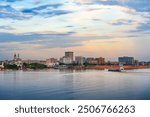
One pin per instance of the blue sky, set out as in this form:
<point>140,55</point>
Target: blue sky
<point>46,28</point>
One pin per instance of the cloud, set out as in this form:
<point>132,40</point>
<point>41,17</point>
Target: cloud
<point>11,0</point>
<point>34,22</point>
<point>42,7</point>
<point>5,27</point>
<point>69,26</point>
<point>9,37</point>
<point>138,5</point>
<point>144,27</point>
<point>34,41</point>
<point>123,22</point>
<point>48,10</point>
<point>6,11</point>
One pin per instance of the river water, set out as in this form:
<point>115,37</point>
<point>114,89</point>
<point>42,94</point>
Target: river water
<point>75,85</point>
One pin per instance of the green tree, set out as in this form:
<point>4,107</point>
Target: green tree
<point>11,66</point>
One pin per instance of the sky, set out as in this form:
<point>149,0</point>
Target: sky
<point>41,29</point>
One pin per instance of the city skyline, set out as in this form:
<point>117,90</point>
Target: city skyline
<point>39,29</point>
<point>73,57</point>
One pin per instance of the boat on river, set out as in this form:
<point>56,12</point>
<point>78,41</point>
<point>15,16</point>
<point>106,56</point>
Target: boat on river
<point>120,69</point>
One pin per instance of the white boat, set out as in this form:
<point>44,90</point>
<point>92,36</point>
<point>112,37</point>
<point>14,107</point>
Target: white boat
<point>121,69</point>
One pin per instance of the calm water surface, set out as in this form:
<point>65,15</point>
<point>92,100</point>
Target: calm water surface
<point>74,85</point>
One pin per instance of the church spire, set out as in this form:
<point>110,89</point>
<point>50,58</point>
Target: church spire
<point>15,56</point>
<point>18,56</point>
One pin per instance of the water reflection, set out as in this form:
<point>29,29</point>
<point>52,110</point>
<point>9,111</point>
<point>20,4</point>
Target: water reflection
<point>75,84</point>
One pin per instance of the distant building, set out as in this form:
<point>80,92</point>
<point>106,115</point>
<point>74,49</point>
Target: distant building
<point>100,61</point>
<point>28,61</point>
<point>31,61</point>
<point>66,60</point>
<point>51,62</point>
<point>113,63</point>
<point>69,55</point>
<point>80,60</point>
<point>126,60</point>
<point>34,61</point>
<point>143,63</point>
<point>136,62</point>
<point>91,60</point>
<point>17,61</point>
<point>42,62</point>
<point>2,66</point>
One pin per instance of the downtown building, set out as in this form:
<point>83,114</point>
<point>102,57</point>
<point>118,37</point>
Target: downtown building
<point>51,62</point>
<point>100,61</point>
<point>96,61</point>
<point>80,60</point>
<point>91,60</point>
<point>28,61</point>
<point>68,58</point>
<point>126,60</point>
<point>69,55</point>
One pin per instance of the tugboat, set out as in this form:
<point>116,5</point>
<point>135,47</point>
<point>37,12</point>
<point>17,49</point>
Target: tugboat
<point>120,69</point>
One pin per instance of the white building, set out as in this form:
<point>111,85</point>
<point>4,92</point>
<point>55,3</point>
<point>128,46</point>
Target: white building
<point>17,61</point>
<point>51,62</point>
<point>2,66</point>
<point>66,60</point>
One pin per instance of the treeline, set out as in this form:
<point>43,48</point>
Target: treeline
<point>34,66</point>
<point>11,66</point>
<point>25,66</point>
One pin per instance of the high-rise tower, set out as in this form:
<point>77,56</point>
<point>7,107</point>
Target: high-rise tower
<point>69,55</point>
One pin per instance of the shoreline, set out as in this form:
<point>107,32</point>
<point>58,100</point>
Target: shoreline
<point>126,67</point>
<point>97,67</point>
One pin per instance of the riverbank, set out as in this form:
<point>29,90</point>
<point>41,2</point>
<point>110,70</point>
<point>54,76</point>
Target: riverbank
<point>97,67</point>
<point>126,67</point>
<point>103,67</point>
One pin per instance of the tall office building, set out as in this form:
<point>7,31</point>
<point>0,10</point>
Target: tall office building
<point>69,55</point>
<point>65,60</point>
<point>126,60</point>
